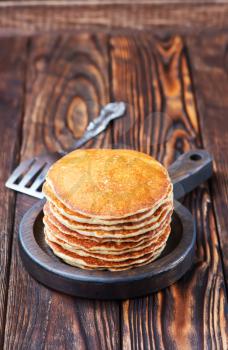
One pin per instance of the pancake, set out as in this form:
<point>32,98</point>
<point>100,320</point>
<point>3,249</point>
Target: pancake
<point>146,261</point>
<point>109,256</point>
<point>66,230</point>
<point>107,209</point>
<point>107,234</point>
<point>104,243</point>
<point>127,226</point>
<point>101,247</point>
<point>106,183</point>
<point>138,218</point>
<point>153,257</point>
<point>77,260</point>
<point>86,263</point>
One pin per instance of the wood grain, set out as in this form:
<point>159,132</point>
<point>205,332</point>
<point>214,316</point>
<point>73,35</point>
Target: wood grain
<point>210,67</point>
<point>67,82</point>
<point>31,3</point>
<point>67,85</point>
<point>154,78</point>
<point>25,19</point>
<point>158,122</point>
<point>69,77</point>
<point>12,76</point>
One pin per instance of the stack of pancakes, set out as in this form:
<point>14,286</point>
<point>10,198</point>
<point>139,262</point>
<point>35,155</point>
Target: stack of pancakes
<point>107,209</point>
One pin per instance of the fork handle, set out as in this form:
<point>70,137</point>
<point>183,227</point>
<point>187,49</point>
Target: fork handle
<point>109,112</point>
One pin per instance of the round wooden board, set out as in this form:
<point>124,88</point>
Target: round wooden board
<point>44,266</point>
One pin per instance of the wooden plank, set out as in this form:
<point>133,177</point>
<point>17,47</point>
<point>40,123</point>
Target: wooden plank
<point>97,2</point>
<point>12,76</point>
<point>67,83</point>
<point>154,78</point>
<point>209,64</point>
<point>22,19</point>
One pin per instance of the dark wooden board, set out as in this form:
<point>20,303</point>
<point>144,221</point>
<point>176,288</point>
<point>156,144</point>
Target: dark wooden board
<point>154,78</point>
<point>41,263</point>
<point>210,54</point>
<point>24,18</point>
<point>67,82</point>
<point>150,78</point>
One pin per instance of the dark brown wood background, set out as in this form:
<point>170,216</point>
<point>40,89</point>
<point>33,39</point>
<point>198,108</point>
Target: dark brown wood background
<point>58,65</point>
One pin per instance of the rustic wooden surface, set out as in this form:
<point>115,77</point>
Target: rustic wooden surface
<point>27,17</point>
<point>159,80</point>
<point>176,90</point>
<point>12,72</point>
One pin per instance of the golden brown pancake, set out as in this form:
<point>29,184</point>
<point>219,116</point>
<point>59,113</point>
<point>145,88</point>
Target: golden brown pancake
<point>49,219</point>
<point>83,263</point>
<point>108,183</point>
<point>160,212</point>
<point>107,209</point>
<point>99,245</point>
<point>108,234</point>
<point>109,256</point>
<point>137,218</point>
<point>75,259</point>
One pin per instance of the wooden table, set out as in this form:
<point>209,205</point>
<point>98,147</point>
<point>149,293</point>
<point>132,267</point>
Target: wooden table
<point>176,87</point>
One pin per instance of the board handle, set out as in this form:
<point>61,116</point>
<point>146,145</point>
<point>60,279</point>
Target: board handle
<point>189,171</point>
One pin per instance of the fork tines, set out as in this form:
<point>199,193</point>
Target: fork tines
<point>28,177</point>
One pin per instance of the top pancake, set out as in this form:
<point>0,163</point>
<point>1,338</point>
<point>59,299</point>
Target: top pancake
<point>137,218</point>
<point>107,183</point>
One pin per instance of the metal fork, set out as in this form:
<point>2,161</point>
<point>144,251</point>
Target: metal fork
<point>29,176</point>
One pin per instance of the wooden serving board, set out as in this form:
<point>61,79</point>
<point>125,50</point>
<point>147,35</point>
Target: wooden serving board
<point>187,172</point>
<point>44,266</point>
